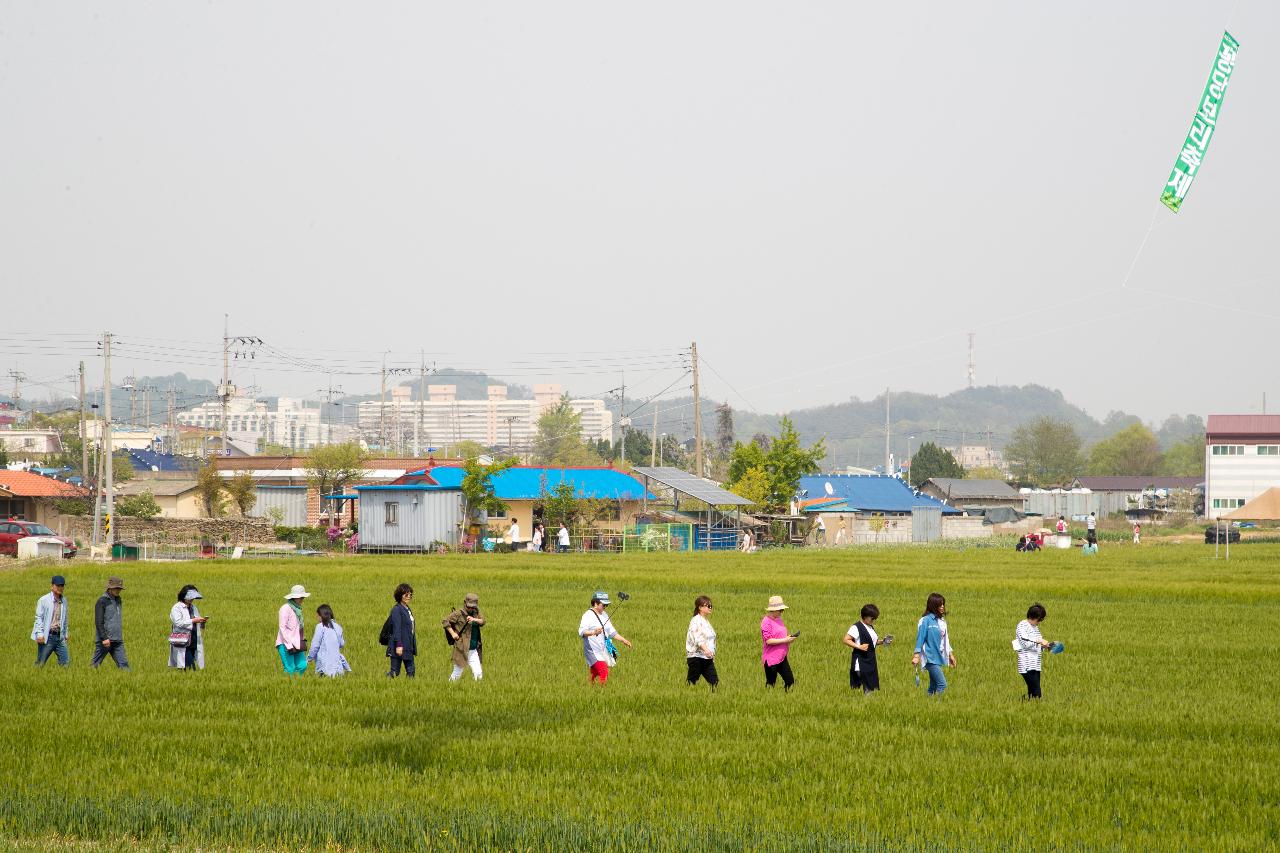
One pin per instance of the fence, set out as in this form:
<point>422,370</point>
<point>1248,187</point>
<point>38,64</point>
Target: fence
<point>648,538</point>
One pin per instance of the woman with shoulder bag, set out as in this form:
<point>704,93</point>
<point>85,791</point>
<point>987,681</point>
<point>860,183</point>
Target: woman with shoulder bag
<point>186,631</point>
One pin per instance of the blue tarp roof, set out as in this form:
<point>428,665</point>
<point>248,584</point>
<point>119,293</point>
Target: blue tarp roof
<point>147,460</point>
<point>865,493</point>
<point>517,484</point>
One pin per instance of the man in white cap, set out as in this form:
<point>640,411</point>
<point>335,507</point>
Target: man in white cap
<point>291,639</point>
<point>598,634</point>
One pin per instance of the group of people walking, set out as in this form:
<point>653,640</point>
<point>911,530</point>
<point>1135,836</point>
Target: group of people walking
<point>462,629</point>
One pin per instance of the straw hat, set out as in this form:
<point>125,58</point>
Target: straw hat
<point>114,582</point>
<point>298,591</point>
<point>775,603</point>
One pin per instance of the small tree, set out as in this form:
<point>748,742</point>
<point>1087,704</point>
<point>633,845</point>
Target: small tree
<point>1044,452</point>
<point>754,486</point>
<point>559,439</point>
<point>332,467</point>
<point>139,506</point>
<point>209,489</point>
<point>121,468</point>
<point>243,490</point>
<point>477,486</point>
<point>1132,451</point>
<point>1185,458</point>
<point>561,504</point>
<point>932,461</point>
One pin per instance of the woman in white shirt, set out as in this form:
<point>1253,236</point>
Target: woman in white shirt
<point>700,644</point>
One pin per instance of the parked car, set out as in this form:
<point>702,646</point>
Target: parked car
<point>1220,535</point>
<point>11,531</point>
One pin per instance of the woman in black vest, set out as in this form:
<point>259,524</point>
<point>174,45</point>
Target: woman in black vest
<point>862,638</point>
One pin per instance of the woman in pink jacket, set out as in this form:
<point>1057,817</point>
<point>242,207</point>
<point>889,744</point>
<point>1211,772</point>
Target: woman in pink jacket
<point>291,638</point>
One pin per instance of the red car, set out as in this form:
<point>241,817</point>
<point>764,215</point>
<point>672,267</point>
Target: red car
<point>11,531</point>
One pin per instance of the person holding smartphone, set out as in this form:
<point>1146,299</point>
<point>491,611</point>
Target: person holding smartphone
<point>185,618</point>
<point>775,644</point>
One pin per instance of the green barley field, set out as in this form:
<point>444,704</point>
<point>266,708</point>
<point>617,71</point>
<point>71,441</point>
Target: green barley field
<point>1158,730</point>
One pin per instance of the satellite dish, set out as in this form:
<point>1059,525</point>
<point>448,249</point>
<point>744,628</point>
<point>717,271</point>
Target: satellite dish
<point>827,486</point>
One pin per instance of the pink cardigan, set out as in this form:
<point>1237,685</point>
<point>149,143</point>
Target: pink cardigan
<point>290,633</point>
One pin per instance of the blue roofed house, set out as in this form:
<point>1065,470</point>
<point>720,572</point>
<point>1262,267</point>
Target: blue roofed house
<point>871,508</point>
<point>425,506</point>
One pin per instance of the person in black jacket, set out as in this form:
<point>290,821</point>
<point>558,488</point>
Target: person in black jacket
<point>863,640</point>
<point>404,641</point>
<point>108,623</point>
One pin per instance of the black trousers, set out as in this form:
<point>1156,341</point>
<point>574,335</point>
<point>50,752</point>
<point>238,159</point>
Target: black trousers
<point>1032,677</point>
<point>395,666</point>
<point>703,668</point>
<point>783,668</point>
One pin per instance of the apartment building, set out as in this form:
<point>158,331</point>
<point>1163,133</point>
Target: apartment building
<point>497,421</point>
<point>291,424</point>
<point>1241,460</point>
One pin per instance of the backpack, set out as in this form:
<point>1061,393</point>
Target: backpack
<point>384,636</point>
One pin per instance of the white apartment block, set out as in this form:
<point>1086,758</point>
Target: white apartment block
<point>292,424</point>
<point>1241,460</point>
<point>442,419</point>
<point>971,456</point>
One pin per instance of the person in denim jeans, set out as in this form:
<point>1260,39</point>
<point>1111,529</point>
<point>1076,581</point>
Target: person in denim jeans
<point>933,646</point>
<point>50,629</point>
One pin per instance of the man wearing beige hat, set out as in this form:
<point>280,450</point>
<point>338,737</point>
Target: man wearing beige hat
<point>108,623</point>
<point>291,638</point>
<point>462,627</point>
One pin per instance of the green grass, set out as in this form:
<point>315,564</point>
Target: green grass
<point>1158,729</point>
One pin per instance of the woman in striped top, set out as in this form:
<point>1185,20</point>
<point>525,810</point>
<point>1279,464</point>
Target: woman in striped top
<point>1030,645</point>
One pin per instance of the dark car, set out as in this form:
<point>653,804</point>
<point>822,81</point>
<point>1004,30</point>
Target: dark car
<point>12,530</point>
<point>1221,535</point>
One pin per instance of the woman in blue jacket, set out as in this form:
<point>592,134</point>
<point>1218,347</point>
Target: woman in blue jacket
<point>403,645</point>
<point>933,646</point>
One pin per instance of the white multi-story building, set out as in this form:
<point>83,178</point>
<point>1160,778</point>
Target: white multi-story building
<point>1241,460</point>
<point>971,456</point>
<point>442,419</point>
<point>292,424</point>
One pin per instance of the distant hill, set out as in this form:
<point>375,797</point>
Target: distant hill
<point>854,430</point>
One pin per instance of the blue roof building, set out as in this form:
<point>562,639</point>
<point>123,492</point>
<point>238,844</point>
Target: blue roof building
<point>526,484</point>
<point>856,493</point>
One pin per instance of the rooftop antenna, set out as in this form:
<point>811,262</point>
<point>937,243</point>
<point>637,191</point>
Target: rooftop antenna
<point>973,366</point>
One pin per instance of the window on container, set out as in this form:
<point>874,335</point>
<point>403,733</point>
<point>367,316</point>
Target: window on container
<point>392,509</point>
<point>1268,450</point>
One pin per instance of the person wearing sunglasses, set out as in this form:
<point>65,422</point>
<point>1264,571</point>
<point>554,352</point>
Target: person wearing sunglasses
<point>700,644</point>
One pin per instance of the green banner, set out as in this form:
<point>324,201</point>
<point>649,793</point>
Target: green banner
<point>1202,126</point>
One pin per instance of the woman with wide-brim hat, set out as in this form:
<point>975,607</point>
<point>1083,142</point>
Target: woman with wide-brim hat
<point>291,638</point>
<point>776,642</point>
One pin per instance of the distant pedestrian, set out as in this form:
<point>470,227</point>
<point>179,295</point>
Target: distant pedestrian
<point>291,635</point>
<point>562,539</point>
<point>775,644</point>
<point>51,629</point>
<point>748,544</point>
<point>327,644</point>
<point>841,534</point>
<point>1137,533</point>
<point>933,643</point>
<point>402,643</point>
<point>186,631</point>
<point>513,535</point>
<point>820,531</point>
<point>1029,645</point>
<point>863,639</point>
<point>463,627</point>
<point>700,644</point>
<point>1062,525</point>
<point>537,538</point>
<point>1090,548</point>
<point>108,624</point>
<point>597,633</point>
<point>1091,527</point>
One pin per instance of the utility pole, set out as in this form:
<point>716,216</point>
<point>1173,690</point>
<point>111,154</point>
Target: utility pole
<point>172,424</point>
<point>697,412</point>
<point>84,436</point>
<point>224,390</point>
<point>107,450</point>
<point>888,463</point>
<point>422,403</point>
<point>622,418</point>
<point>133,402</point>
<point>382,410</point>
<point>18,378</point>
<point>653,452</point>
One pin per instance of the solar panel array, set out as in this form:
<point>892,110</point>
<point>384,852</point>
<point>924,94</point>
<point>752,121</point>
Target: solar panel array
<point>695,487</point>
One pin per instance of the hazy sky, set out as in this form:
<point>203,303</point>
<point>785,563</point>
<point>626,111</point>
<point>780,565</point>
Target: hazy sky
<point>827,196</point>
